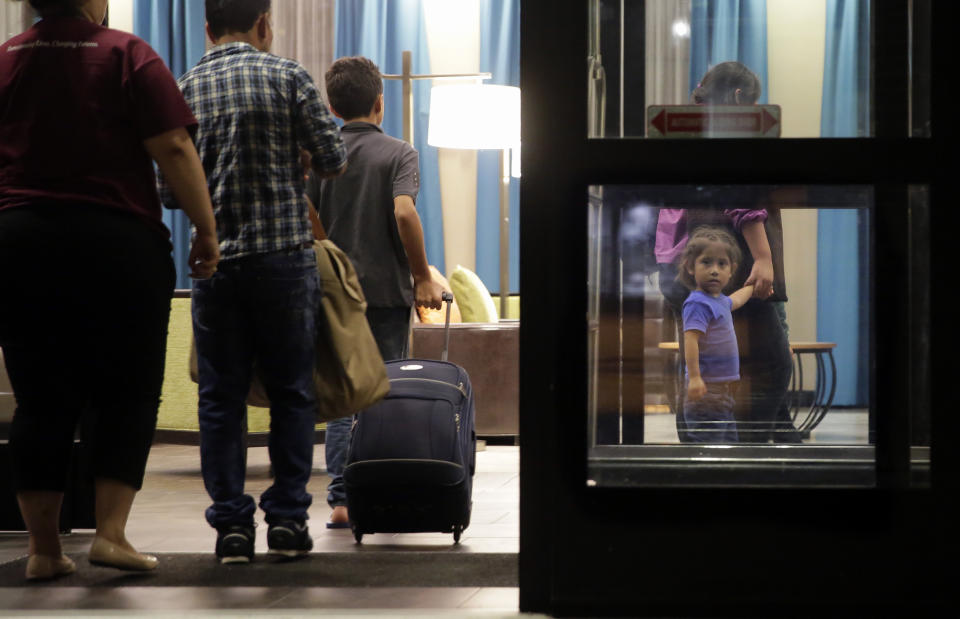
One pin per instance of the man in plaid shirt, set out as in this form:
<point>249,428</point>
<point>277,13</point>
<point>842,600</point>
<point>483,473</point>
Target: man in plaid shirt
<point>256,111</point>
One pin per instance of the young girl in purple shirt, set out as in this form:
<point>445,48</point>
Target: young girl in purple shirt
<point>710,343</point>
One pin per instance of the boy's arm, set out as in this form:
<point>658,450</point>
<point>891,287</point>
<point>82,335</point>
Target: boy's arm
<point>691,351</point>
<point>426,291</point>
<point>740,297</point>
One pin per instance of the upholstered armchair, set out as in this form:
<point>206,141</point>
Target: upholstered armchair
<point>485,346</point>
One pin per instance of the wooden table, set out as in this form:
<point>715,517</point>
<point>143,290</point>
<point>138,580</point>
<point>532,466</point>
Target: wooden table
<point>824,390</point>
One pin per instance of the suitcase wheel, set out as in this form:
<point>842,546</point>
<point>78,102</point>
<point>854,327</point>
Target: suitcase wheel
<point>457,530</point>
<point>357,534</point>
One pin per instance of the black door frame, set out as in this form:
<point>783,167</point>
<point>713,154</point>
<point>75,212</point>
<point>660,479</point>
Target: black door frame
<point>632,551</point>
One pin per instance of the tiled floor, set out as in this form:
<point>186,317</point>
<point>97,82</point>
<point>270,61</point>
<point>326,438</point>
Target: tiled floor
<point>168,517</point>
<point>839,427</point>
<point>174,495</point>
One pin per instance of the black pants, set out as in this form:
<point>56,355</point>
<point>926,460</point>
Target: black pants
<point>766,365</point>
<point>83,326</point>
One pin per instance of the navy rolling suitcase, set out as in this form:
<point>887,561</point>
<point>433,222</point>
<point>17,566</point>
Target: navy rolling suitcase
<point>412,455</point>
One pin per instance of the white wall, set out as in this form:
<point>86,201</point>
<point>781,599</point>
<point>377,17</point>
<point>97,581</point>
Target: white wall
<point>796,35</point>
<point>453,37</point>
<point>800,267</point>
<point>121,15</point>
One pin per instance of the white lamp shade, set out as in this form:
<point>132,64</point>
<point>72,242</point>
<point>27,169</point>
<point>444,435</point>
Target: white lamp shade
<point>475,116</point>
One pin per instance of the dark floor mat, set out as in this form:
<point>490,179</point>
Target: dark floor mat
<point>338,569</point>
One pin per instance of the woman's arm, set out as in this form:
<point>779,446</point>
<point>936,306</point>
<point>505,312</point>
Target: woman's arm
<point>761,276</point>
<point>177,158</point>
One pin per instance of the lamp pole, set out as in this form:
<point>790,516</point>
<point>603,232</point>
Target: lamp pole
<point>406,79</point>
<point>504,231</point>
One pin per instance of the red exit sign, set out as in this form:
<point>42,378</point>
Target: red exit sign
<point>713,121</point>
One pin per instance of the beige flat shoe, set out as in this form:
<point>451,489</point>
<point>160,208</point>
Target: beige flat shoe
<point>43,567</point>
<point>106,553</point>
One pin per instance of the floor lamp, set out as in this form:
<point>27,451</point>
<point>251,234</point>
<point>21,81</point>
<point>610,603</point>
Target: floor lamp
<point>406,80</point>
<point>481,117</point>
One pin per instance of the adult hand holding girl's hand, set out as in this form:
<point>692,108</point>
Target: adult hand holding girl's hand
<point>761,278</point>
<point>761,275</point>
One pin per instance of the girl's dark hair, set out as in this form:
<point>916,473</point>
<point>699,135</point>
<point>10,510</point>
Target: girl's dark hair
<point>719,85</point>
<point>45,8</point>
<point>353,85</point>
<point>226,16</point>
<point>700,240</point>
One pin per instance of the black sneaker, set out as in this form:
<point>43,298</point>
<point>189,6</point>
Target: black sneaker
<point>289,538</point>
<point>235,544</point>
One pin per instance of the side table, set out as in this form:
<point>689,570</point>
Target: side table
<point>824,390</point>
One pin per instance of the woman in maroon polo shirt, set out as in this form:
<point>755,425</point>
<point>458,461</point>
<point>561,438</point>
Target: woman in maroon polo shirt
<point>85,267</point>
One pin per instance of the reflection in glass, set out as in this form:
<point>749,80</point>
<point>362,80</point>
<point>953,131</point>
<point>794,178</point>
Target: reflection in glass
<point>801,335</point>
<point>596,77</point>
<point>812,59</point>
<point>920,67</point>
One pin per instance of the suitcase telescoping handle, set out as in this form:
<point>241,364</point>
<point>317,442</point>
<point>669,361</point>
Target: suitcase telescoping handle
<point>448,299</point>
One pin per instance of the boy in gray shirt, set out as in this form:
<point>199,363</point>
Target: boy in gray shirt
<point>370,213</point>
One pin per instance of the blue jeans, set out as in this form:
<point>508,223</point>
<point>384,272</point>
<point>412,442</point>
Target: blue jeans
<point>261,309</point>
<point>391,330</point>
<point>710,419</point>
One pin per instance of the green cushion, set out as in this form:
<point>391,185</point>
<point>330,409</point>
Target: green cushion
<point>178,405</point>
<point>513,306</point>
<point>476,304</point>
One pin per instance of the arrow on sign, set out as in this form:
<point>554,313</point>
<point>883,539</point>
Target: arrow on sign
<point>660,121</point>
<point>768,121</point>
<point>726,120</point>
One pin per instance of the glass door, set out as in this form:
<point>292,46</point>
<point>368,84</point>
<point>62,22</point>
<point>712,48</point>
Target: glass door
<point>769,435</point>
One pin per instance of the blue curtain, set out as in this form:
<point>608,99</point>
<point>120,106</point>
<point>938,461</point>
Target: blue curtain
<point>722,30</point>
<point>842,301</point>
<point>381,30</point>
<point>499,56</point>
<point>175,29</point>
<point>842,296</point>
<point>846,70</point>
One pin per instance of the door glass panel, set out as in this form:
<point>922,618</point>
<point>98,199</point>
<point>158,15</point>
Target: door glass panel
<point>920,67</point>
<point>790,384</point>
<point>811,60</point>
